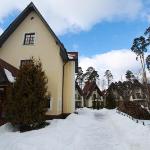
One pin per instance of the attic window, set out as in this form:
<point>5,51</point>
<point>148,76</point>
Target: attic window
<point>32,18</point>
<point>29,39</point>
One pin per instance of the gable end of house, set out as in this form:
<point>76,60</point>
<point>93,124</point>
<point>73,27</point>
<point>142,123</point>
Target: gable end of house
<point>12,27</point>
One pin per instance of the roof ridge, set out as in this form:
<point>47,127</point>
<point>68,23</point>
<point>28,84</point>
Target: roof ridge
<point>12,27</point>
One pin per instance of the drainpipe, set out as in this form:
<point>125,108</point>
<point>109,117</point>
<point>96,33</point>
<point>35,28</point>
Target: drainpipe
<point>63,86</point>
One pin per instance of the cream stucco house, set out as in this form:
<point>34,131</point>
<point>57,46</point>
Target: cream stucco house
<point>79,101</point>
<point>93,97</point>
<point>30,35</point>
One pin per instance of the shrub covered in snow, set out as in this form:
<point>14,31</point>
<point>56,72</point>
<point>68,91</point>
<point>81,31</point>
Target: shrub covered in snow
<point>27,98</point>
<point>134,109</point>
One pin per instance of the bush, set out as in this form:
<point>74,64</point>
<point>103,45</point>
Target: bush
<point>27,99</point>
<point>94,104</point>
<point>110,101</point>
<point>134,109</point>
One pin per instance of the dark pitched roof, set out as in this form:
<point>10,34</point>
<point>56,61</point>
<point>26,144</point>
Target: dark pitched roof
<point>9,67</point>
<point>31,7</point>
<point>3,77</point>
<point>78,88</point>
<point>89,88</point>
<point>73,56</point>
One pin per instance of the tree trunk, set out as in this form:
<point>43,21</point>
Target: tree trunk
<point>84,102</point>
<point>145,80</point>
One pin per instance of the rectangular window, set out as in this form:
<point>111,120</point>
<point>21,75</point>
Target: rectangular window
<point>29,39</point>
<point>25,62</point>
<point>49,102</point>
<point>79,97</point>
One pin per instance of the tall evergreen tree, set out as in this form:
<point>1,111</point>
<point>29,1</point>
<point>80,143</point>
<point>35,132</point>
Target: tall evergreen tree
<point>79,77</point>
<point>27,101</point>
<point>148,62</point>
<point>91,74</point>
<point>110,101</point>
<point>139,47</point>
<point>147,33</point>
<point>129,75</point>
<point>108,76</point>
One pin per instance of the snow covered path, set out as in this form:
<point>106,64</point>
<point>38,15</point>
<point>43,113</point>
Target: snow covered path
<point>89,130</point>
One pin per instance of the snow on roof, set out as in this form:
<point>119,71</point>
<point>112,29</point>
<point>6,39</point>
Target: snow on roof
<point>9,76</point>
<point>89,88</point>
<point>72,55</point>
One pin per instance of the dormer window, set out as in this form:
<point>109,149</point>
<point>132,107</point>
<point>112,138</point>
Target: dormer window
<point>29,39</point>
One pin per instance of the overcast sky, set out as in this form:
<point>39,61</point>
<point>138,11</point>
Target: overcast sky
<point>101,31</point>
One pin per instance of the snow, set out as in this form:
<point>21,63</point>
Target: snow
<point>71,56</point>
<point>89,130</point>
<point>9,76</point>
<point>145,122</point>
<point>6,128</point>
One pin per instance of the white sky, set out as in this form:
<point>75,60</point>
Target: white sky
<point>117,61</point>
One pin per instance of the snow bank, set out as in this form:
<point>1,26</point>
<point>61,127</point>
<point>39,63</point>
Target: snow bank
<point>7,128</point>
<point>9,76</point>
<point>89,130</point>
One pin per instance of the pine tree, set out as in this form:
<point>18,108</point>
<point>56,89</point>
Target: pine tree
<point>91,74</point>
<point>27,98</point>
<point>110,101</point>
<point>108,76</point>
<point>129,75</point>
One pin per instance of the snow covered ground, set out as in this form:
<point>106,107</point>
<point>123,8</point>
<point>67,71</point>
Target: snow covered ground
<point>89,130</point>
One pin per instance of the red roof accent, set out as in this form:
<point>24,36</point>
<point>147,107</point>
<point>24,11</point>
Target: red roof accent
<point>72,55</point>
<point>89,88</point>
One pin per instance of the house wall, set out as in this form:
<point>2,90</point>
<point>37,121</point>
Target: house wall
<point>77,94</point>
<point>89,102</point>
<point>90,99</point>
<point>69,87</point>
<point>134,94</point>
<point>45,48</point>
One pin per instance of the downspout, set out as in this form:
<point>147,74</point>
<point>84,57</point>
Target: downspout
<point>63,78</point>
